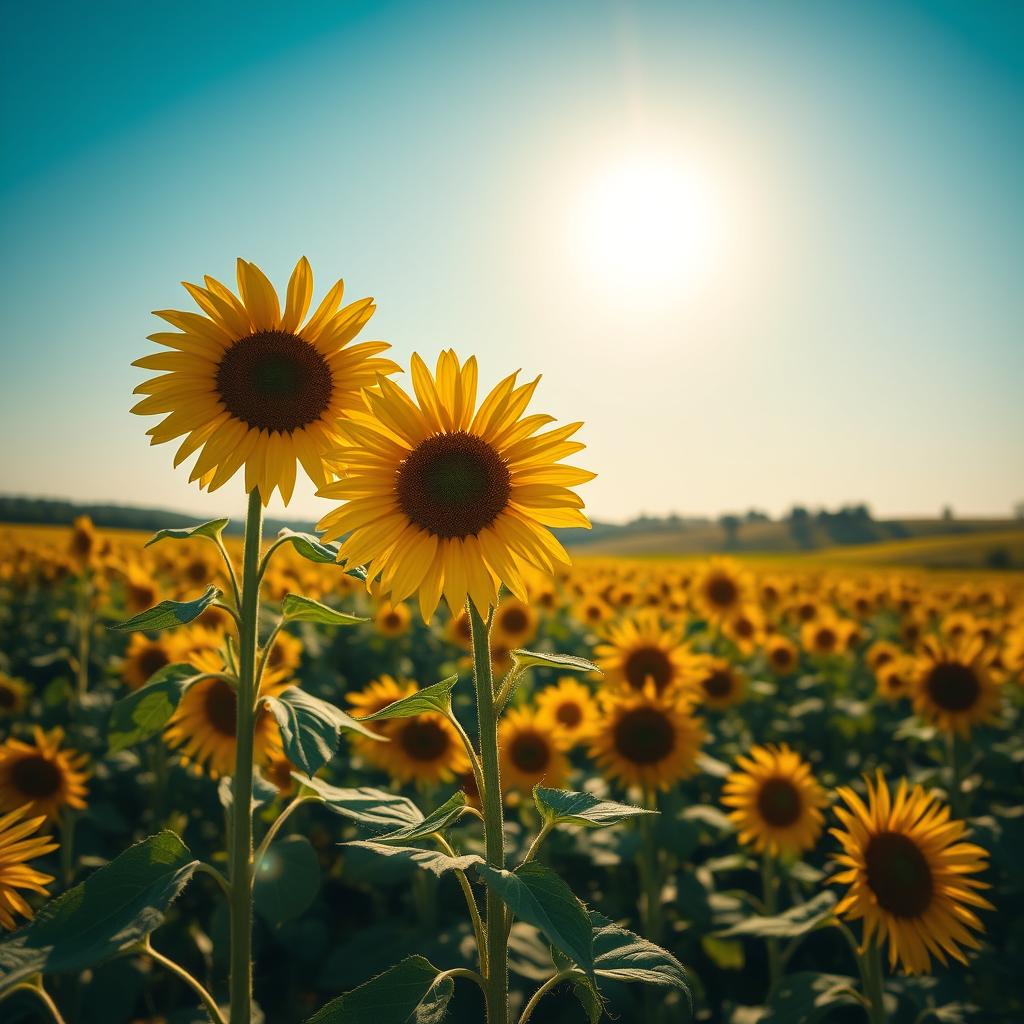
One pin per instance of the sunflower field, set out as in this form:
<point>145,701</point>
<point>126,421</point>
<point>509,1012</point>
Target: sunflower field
<point>482,780</point>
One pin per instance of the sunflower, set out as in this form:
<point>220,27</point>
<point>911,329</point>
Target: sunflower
<point>955,687</point>
<point>457,630</point>
<point>592,610</point>
<point>825,635</point>
<point>42,776</point>
<point>424,749</point>
<point>639,651</point>
<point>249,384</point>
<point>82,543</point>
<point>745,627</point>
<point>895,679</point>
<point>442,499</point>
<point>374,697</point>
<point>392,620</point>
<point>782,655</point>
<point>140,590</point>
<point>278,772</point>
<point>882,652</point>
<point>907,868</point>
<point>514,624</point>
<point>718,684</point>
<point>14,695</point>
<point>203,727</point>
<point>720,588</point>
<point>568,711</point>
<point>145,656</point>
<point>645,739</point>
<point>776,801</point>
<point>17,847</point>
<point>529,754</point>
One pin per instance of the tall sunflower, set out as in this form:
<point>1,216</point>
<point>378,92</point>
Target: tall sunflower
<point>442,497</point>
<point>647,740</point>
<point>639,651</point>
<point>776,801</point>
<point>251,384</point>
<point>43,776</point>
<point>18,846</point>
<point>955,686</point>
<point>908,870</point>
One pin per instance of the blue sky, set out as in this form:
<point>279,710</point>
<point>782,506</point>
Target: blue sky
<point>848,327</point>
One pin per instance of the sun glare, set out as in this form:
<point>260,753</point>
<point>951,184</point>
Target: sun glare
<point>649,225</point>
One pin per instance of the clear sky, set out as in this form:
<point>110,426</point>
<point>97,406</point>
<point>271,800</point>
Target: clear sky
<point>770,253</point>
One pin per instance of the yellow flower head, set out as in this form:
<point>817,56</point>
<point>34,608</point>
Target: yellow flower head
<point>530,755</point>
<point>18,846</point>
<point>247,383</point>
<point>776,801</point>
<point>42,776</point>
<point>444,497</point>
<point>908,871</point>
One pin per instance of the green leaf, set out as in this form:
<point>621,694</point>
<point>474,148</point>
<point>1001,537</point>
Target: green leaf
<point>146,711</point>
<point>167,614</point>
<point>310,546</point>
<point>287,879</point>
<point>434,698</point>
<point>114,908</point>
<point>403,994</point>
<point>429,860</point>
<point>725,953</point>
<point>375,808</point>
<point>309,727</point>
<point>538,896</point>
<point>619,955</point>
<point>807,996</point>
<point>437,821</point>
<point>798,920</point>
<point>297,608</point>
<point>564,662</point>
<point>562,806</point>
<point>211,531</point>
<point>263,792</point>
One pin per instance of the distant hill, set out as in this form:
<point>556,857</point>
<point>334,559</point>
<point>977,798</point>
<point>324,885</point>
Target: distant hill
<point>950,542</point>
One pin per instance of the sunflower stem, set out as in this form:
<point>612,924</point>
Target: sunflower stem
<point>494,825</point>
<point>770,889</point>
<point>874,982</point>
<point>240,848</point>
<point>35,986</point>
<point>956,790</point>
<point>209,1003</point>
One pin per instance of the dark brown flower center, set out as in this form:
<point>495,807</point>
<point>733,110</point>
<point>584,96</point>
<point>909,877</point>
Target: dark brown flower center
<point>274,380</point>
<point>645,663</point>
<point>781,656</point>
<point>721,591</point>
<point>423,740</point>
<point>825,639</point>
<point>744,628</point>
<point>36,776</point>
<point>529,752</point>
<point>569,713</point>
<point>222,707</point>
<point>514,620</point>
<point>453,485</point>
<point>779,803</point>
<point>953,687</point>
<point>898,874</point>
<point>7,696</point>
<point>718,683</point>
<point>644,736</point>
<point>152,659</point>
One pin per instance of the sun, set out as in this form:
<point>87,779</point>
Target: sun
<point>649,223</point>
